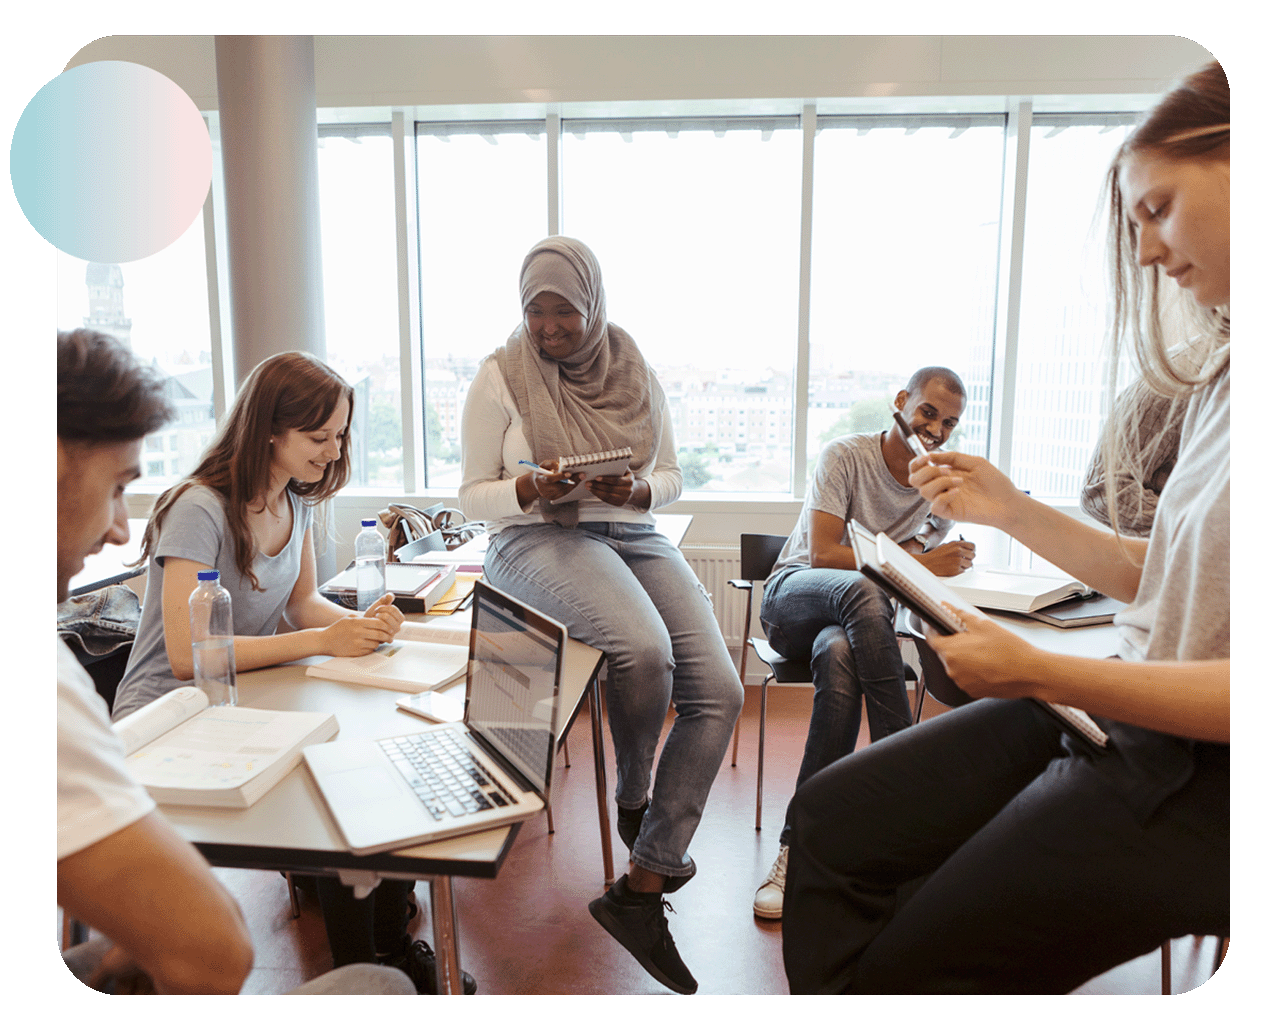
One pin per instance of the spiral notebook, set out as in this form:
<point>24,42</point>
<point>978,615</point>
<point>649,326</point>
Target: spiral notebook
<point>611,463</point>
<point>883,561</point>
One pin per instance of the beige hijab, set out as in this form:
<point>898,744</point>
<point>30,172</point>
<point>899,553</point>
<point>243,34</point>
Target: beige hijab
<point>602,396</point>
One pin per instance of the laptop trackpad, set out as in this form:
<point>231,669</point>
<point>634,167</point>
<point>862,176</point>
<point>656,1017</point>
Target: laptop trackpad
<point>373,802</point>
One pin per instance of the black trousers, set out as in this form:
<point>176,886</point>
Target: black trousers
<point>978,853</point>
<point>360,931</point>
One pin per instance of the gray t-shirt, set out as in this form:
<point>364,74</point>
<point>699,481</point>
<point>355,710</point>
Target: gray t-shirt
<point>1182,611</point>
<point>195,528</point>
<point>851,481</point>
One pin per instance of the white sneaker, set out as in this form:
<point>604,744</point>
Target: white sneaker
<point>768,901</point>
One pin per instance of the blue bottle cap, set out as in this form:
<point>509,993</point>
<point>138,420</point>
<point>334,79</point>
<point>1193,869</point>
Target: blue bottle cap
<point>207,574</point>
<point>368,522</point>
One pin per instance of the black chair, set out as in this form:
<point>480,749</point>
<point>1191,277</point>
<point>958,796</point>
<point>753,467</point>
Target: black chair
<point>757,553</point>
<point>933,677</point>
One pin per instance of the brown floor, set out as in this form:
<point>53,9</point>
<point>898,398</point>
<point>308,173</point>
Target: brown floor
<point>528,931</point>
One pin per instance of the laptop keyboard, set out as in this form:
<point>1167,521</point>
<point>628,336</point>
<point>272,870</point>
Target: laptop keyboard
<point>444,774</point>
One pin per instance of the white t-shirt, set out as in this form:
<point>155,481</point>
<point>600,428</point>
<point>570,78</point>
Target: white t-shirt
<point>96,796</point>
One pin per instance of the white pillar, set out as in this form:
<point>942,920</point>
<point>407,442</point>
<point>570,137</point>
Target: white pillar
<point>267,118</point>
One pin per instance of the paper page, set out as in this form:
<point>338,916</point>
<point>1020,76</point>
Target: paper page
<point>223,748</point>
<point>436,631</point>
<point>153,720</point>
<point>617,467</point>
<point>400,665</point>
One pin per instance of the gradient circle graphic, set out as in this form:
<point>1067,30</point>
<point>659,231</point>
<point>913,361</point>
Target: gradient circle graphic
<point>111,162</point>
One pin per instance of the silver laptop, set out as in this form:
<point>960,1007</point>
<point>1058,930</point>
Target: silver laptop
<point>401,791</point>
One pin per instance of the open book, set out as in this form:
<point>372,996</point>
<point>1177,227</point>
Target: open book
<point>185,752</point>
<point>405,664</point>
<point>924,593</point>
<point>610,463</point>
<point>1014,591</point>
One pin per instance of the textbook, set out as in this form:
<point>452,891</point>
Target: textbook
<point>1080,611</point>
<point>611,463</point>
<point>185,752</point>
<point>1020,592</point>
<point>416,586</point>
<point>410,666</point>
<point>924,593</point>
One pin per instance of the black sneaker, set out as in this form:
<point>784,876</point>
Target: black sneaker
<point>419,962</point>
<point>641,927</point>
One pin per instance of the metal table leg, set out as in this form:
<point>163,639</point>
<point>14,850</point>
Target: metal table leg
<point>444,923</point>
<point>597,743</point>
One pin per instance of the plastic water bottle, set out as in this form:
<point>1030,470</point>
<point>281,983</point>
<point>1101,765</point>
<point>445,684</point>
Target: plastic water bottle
<point>213,649</point>
<point>371,565</point>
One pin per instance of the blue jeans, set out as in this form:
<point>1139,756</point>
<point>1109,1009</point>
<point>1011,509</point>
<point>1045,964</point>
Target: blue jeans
<point>627,590</point>
<point>842,624</point>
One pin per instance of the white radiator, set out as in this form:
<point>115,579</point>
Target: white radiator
<point>715,565</point>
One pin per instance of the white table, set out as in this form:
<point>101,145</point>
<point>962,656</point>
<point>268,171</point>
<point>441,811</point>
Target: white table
<point>290,828</point>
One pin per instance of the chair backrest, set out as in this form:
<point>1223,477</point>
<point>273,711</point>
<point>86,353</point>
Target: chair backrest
<point>934,677</point>
<point>758,553</point>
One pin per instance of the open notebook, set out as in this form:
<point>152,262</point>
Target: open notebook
<point>883,561</point>
<point>416,788</point>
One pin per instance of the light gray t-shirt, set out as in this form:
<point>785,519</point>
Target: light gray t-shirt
<point>195,528</point>
<point>851,481</point>
<point>1182,611</point>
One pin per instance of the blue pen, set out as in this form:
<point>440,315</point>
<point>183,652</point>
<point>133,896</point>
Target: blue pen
<point>536,468</point>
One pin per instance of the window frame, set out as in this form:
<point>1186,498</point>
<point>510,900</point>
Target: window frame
<point>1019,112</point>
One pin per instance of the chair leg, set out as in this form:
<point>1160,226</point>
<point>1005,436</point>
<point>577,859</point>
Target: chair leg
<point>919,699</point>
<point>764,704</point>
<point>73,932</point>
<point>1166,967</point>
<point>293,894</point>
<point>737,726</point>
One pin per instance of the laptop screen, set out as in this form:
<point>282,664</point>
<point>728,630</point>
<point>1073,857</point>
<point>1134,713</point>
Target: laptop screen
<point>513,680</point>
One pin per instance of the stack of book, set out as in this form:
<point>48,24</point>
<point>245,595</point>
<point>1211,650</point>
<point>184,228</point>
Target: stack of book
<point>416,586</point>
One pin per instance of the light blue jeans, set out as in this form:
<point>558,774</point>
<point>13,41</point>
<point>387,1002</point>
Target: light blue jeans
<point>625,589</point>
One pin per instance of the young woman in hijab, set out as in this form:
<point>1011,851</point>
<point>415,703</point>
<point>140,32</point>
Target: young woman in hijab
<point>568,382</point>
<point>986,850</point>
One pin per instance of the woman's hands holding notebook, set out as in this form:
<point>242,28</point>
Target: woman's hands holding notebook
<point>986,660</point>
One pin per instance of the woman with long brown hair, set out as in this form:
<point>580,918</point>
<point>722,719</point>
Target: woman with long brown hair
<point>986,850</point>
<point>246,510</point>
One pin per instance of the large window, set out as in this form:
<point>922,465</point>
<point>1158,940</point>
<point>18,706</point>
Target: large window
<point>361,311</point>
<point>697,228</point>
<point>906,228</point>
<point>1062,366</point>
<point>482,204</point>
<point>159,307</point>
<point>706,228</point>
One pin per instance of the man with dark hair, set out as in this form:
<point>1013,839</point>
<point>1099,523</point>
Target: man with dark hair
<point>818,608</point>
<point>167,924</point>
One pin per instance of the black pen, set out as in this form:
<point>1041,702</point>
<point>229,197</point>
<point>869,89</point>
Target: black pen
<point>913,442</point>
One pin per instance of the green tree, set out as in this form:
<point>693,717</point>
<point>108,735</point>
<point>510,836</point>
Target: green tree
<point>863,417</point>
<point>384,426</point>
<point>694,467</point>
